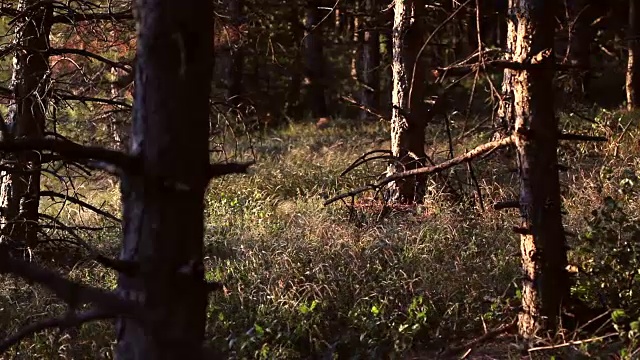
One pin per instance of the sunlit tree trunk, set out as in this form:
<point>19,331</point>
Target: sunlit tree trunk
<point>163,202</point>
<point>409,111</point>
<point>633,65</point>
<point>19,189</point>
<point>314,61</point>
<point>543,244</point>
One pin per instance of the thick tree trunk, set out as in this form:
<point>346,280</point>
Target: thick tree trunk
<point>163,202</point>
<point>370,63</point>
<point>314,61</point>
<point>580,17</point>
<point>543,244</point>
<point>409,110</point>
<point>19,189</point>
<point>633,65</point>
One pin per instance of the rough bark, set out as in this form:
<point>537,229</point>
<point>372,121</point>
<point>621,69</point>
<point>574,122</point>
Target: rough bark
<point>409,110</point>
<point>314,61</point>
<point>19,198</point>
<point>633,65</point>
<point>370,63</point>
<point>543,244</point>
<point>163,203</point>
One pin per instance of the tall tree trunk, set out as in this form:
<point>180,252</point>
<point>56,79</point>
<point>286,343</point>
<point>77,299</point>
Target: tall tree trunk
<point>314,61</point>
<point>236,55</point>
<point>370,62</point>
<point>163,202</point>
<point>580,16</point>
<point>633,66</point>
<point>19,189</point>
<point>294,108</point>
<point>409,110</point>
<point>543,244</point>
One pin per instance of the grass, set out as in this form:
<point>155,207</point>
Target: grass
<point>303,280</point>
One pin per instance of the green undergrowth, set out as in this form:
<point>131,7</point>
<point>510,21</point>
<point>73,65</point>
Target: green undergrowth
<point>360,281</point>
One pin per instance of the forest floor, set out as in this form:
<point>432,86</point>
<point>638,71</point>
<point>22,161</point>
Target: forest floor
<point>359,280</point>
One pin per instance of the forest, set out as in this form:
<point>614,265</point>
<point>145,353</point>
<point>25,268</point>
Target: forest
<point>319,179</point>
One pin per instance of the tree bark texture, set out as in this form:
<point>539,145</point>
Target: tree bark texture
<point>314,61</point>
<point>543,244</point>
<point>408,119</point>
<point>163,201</point>
<point>370,62</point>
<point>19,189</point>
<point>633,64</point>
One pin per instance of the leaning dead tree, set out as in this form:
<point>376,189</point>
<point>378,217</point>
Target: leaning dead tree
<point>162,295</point>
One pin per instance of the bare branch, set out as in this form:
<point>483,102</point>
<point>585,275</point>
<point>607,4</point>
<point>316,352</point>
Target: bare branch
<point>77,201</point>
<point>69,320</point>
<point>468,156</point>
<point>72,293</point>
<point>74,17</point>
<point>72,150</point>
<point>510,204</point>
<point>579,137</point>
<point>88,54</point>
<point>218,170</point>
<point>84,99</point>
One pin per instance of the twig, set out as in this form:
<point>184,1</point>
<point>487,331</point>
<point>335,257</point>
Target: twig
<point>571,343</point>
<point>362,107</point>
<point>468,156</point>
<point>487,336</point>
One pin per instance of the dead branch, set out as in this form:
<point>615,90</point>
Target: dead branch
<point>495,66</point>
<point>579,137</point>
<point>218,170</point>
<point>72,293</point>
<point>364,158</point>
<point>71,319</point>
<point>88,54</point>
<point>74,200</point>
<point>72,150</point>
<point>85,99</point>
<point>366,109</point>
<point>486,337</point>
<point>572,343</point>
<point>509,204</point>
<point>468,156</point>
<point>74,17</point>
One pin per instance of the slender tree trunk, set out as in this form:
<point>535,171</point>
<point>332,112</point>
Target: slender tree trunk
<point>370,63</point>
<point>633,65</point>
<point>543,244</point>
<point>314,61</point>
<point>236,56</point>
<point>19,189</point>
<point>409,110</point>
<point>294,108</point>
<point>163,202</point>
<point>580,37</point>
